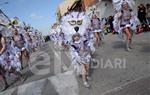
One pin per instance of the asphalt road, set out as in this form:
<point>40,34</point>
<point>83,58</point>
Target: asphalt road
<point>119,72</point>
<point>134,65</point>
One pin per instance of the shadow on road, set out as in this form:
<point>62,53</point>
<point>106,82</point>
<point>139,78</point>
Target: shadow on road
<point>118,44</point>
<point>145,49</point>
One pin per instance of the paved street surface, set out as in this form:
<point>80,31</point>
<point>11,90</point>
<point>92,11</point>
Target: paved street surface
<point>119,72</point>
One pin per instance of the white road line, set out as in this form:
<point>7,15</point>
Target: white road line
<point>65,84</point>
<point>121,86</point>
<point>45,62</point>
<point>58,64</point>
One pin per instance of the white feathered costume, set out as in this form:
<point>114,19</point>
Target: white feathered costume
<point>72,23</point>
<point>118,4</point>
<point>118,8</point>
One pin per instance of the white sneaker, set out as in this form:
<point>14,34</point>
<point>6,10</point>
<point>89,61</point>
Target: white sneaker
<point>86,84</point>
<point>88,78</point>
<point>128,49</point>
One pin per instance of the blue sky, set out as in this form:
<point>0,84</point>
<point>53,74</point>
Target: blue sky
<point>39,13</point>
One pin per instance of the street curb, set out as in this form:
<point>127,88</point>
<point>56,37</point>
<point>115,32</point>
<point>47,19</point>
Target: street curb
<point>65,80</point>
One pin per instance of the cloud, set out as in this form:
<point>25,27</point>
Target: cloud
<point>35,16</point>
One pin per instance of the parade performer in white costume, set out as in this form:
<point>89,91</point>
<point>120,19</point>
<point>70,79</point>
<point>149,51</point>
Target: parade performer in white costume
<point>125,20</point>
<point>8,61</point>
<point>96,28</point>
<point>80,57</point>
<point>2,56</point>
<point>54,34</point>
<point>28,42</point>
<point>78,36</point>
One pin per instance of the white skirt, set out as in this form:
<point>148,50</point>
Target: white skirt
<point>97,30</point>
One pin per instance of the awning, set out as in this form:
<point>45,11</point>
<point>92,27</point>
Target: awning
<point>64,6</point>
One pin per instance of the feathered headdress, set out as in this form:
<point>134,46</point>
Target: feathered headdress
<point>75,22</point>
<point>118,4</point>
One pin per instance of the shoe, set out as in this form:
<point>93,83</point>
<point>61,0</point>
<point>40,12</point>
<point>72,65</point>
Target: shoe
<point>22,79</point>
<point>128,49</point>
<point>88,78</point>
<point>94,61</point>
<point>130,46</point>
<point>86,85</point>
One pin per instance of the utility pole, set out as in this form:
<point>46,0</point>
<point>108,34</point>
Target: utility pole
<point>1,12</point>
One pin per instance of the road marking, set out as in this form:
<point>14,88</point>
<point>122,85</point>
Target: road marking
<point>58,64</point>
<point>121,86</point>
<point>45,62</point>
<point>65,84</point>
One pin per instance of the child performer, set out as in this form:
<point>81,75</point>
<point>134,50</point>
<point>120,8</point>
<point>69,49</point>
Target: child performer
<point>80,57</point>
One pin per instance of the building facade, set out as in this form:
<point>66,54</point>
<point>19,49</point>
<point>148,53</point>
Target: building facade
<point>89,3</point>
<point>73,5</point>
<point>103,8</point>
